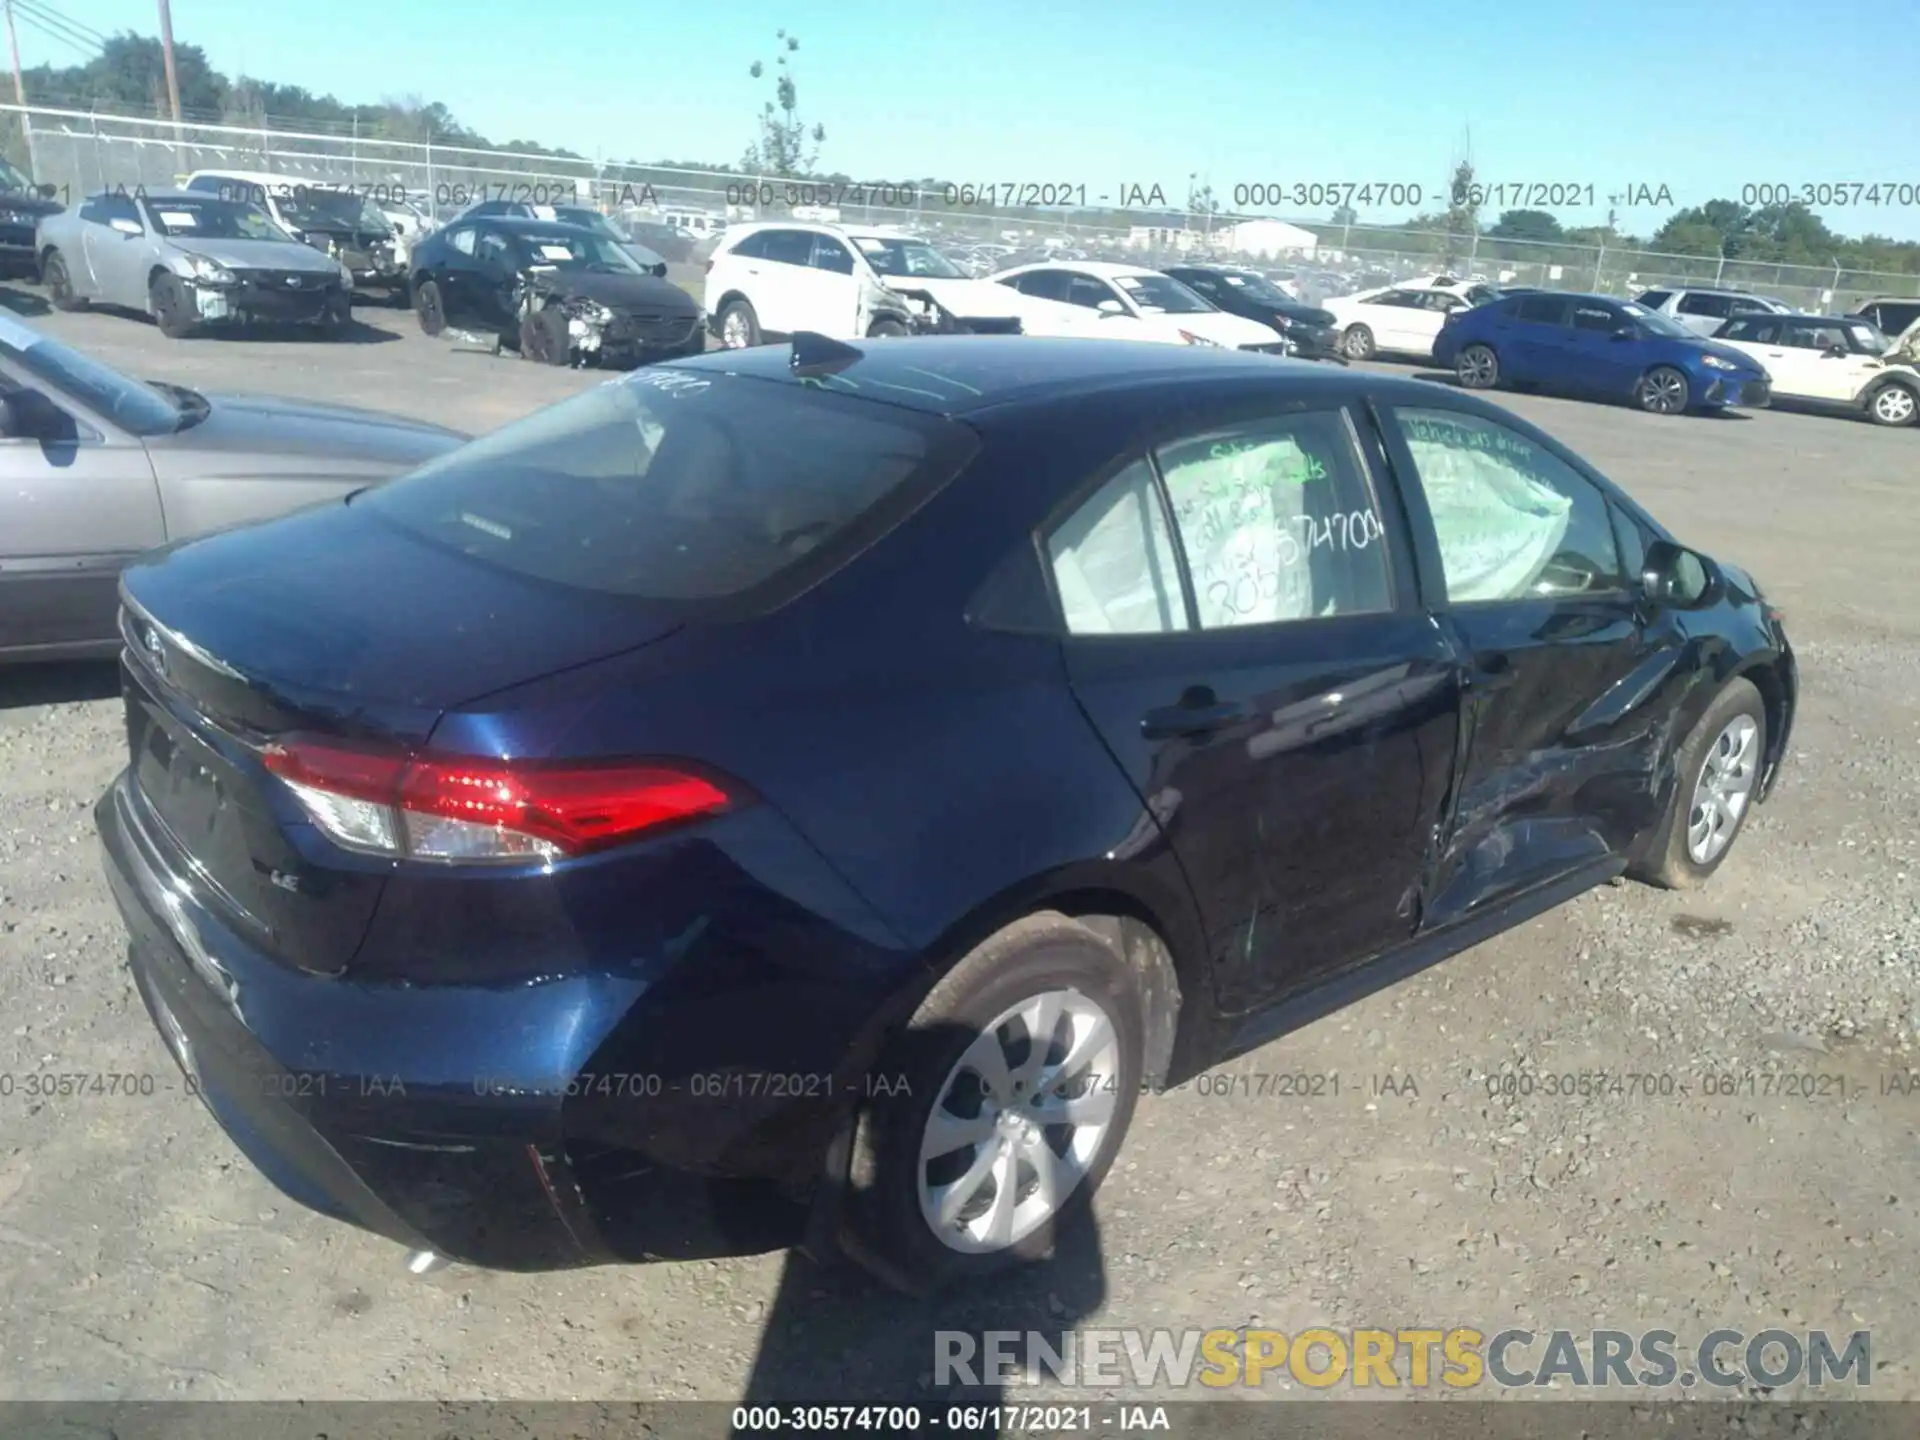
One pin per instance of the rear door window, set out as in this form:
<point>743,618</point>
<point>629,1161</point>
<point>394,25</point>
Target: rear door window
<point>674,485</point>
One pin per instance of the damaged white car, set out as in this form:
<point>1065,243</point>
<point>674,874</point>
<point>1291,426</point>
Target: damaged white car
<point>769,281</point>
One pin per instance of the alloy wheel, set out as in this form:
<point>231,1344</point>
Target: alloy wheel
<point>1664,392</point>
<point>1478,368</point>
<point>1021,1118</point>
<point>1894,405</point>
<point>1723,790</point>
<point>734,333</point>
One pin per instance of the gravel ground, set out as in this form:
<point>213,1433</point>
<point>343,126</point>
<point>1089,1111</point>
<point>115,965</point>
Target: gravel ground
<point>144,1258</point>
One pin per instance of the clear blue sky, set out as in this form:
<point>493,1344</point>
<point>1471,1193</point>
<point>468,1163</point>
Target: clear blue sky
<point>1702,99</point>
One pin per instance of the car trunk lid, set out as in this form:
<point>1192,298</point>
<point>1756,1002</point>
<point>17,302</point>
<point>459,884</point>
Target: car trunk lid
<point>329,623</point>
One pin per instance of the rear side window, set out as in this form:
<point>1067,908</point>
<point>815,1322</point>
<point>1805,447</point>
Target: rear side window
<point>1596,317</point>
<point>750,247</point>
<point>1654,299</point>
<point>674,485</point>
<point>1113,561</point>
<point>788,247</point>
<point>1696,303</point>
<point>1541,310</point>
<point>1754,331</point>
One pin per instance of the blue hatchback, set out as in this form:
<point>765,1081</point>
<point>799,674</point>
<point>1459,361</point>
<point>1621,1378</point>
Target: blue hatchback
<point>1598,346</point>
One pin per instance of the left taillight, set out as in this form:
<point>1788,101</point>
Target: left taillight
<point>471,809</point>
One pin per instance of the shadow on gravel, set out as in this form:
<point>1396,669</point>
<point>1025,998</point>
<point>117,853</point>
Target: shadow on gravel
<point>59,683</point>
<point>832,1335</point>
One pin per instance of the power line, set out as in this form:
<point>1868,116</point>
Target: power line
<point>48,13</point>
<point>57,27</point>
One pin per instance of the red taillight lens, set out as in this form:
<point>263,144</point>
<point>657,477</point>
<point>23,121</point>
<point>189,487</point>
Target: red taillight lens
<point>471,808</point>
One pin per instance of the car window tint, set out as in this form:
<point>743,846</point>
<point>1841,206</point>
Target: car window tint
<point>493,248</point>
<point>1278,521</point>
<point>750,247</point>
<point>1816,337</point>
<point>671,484</point>
<point>1045,284</point>
<point>788,247</point>
<point>1696,303</point>
<point>94,211</point>
<point>1114,564</point>
<point>1757,332</point>
<point>1654,299</point>
<point>830,254</point>
<point>1541,310</point>
<point>1088,291</point>
<point>1513,520</point>
<point>1205,284</point>
<point>1596,317</point>
<point>461,240</point>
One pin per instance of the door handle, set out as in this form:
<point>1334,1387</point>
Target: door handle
<point>1172,722</point>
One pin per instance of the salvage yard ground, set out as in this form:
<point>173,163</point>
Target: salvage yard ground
<point>142,1257</point>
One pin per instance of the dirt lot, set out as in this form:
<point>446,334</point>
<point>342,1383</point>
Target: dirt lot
<point>143,1258</point>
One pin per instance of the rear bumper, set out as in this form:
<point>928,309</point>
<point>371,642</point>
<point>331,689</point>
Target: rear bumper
<point>672,1109</point>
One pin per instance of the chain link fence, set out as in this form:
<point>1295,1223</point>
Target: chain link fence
<point>81,152</point>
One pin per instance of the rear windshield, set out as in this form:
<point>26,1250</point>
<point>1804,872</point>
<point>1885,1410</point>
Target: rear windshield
<point>671,484</point>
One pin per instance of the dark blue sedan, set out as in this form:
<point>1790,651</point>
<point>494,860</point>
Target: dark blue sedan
<point>808,794</point>
<point>1593,345</point>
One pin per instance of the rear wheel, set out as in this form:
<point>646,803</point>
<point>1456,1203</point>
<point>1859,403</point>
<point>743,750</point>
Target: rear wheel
<point>1478,367</point>
<point>337,320</point>
<point>171,305</point>
<point>1716,775</point>
<point>1356,343</point>
<point>430,309</point>
<point>1007,1098</point>
<point>1892,404</point>
<point>1663,390</point>
<point>53,274</point>
<point>739,326</point>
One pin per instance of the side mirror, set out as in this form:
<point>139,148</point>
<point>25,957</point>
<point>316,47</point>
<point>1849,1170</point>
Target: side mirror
<point>1836,351</point>
<point>1627,332</point>
<point>46,192</point>
<point>1674,576</point>
<point>1111,307</point>
<point>129,228</point>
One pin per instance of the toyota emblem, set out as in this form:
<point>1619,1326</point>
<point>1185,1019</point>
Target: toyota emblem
<point>156,650</point>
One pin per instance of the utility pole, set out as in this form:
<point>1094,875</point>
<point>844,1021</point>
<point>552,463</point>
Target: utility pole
<point>13,40</point>
<point>173,78</point>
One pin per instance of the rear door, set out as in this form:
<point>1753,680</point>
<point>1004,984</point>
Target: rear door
<point>457,275</point>
<point>1604,355</point>
<point>1243,630</point>
<point>1568,684</point>
<point>833,292</point>
<point>780,280</point>
<point>1536,336</point>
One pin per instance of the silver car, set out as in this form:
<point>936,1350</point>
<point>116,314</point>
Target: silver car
<point>189,259</point>
<point>96,468</point>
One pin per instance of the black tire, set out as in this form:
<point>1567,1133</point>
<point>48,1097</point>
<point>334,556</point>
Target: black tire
<point>429,308</point>
<point>1477,368</point>
<point>1356,343</point>
<point>398,298</point>
<point>1893,404</point>
<point>171,305</point>
<point>1668,861</point>
<point>1663,390</point>
<point>884,327</point>
<point>544,338</point>
<point>749,324</point>
<point>883,1228</point>
<point>53,275</point>
<point>336,323</point>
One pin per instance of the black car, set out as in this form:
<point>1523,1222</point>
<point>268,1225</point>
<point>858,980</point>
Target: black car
<point>1313,333</point>
<point>834,781</point>
<point>556,293</point>
<point>585,216</point>
<point>22,205</point>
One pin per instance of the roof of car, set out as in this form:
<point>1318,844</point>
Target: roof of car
<point>521,224</point>
<point>962,374</point>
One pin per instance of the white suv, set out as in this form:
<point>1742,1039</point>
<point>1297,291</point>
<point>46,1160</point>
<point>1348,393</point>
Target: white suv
<point>1837,364</point>
<point>775,279</point>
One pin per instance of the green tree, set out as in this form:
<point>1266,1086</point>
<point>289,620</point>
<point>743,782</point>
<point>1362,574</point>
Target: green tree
<point>785,145</point>
<point>1345,215</point>
<point>1526,225</point>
